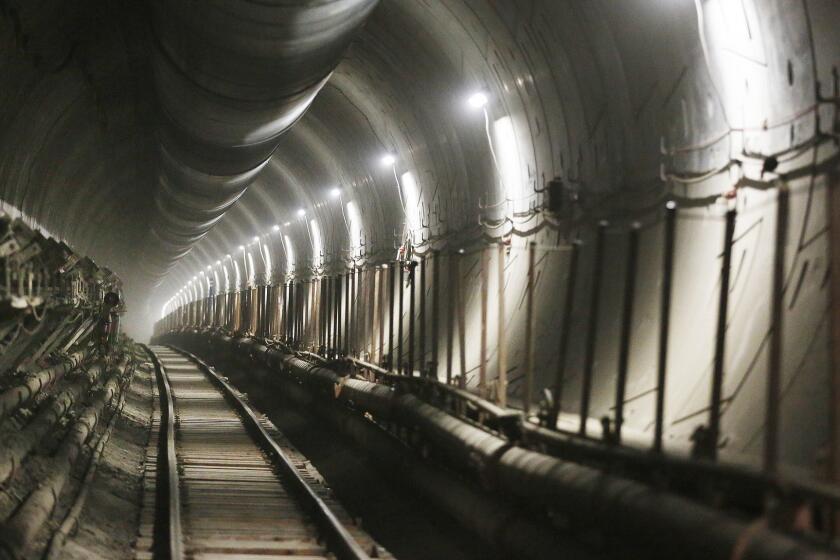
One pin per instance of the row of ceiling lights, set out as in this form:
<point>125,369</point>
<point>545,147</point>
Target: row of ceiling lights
<point>476,101</point>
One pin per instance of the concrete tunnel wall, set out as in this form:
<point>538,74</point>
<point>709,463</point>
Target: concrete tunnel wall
<point>630,103</point>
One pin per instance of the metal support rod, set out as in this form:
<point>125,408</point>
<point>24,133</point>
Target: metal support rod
<point>296,289</point>
<point>592,330</point>
<point>412,295</point>
<point>501,351</point>
<point>400,319</point>
<point>366,333</point>
<point>337,315</point>
<point>300,304</point>
<point>435,312</point>
<point>352,315</point>
<point>327,281</point>
<point>626,329</point>
<point>566,329</point>
<point>334,281</point>
<point>295,312</point>
<point>358,317</point>
<point>834,334</point>
<point>529,329</point>
<point>392,279</point>
<point>669,236</point>
<point>292,314</point>
<point>380,315</point>
<point>774,373</point>
<point>324,313</point>
<point>347,301</point>
<point>720,343</point>
<point>451,301</point>
<point>462,323</point>
<point>286,297</point>
<point>484,265</point>
<point>421,317</point>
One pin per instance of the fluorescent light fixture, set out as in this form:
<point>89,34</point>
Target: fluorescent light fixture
<point>411,192</point>
<point>287,224</point>
<point>510,162</point>
<point>241,247</point>
<point>290,253</point>
<point>335,192</point>
<point>256,239</point>
<point>301,212</point>
<point>355,225</point>
<point>218,263</point>
<point>317,243</point>
<point>388,160</point>
<point>478,100</point>
<point>276,228</point>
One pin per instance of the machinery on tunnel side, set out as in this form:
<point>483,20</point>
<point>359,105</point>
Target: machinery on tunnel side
<point>62,363</point>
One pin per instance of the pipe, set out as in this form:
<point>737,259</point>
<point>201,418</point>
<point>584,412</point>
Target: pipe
<point>664,524</point>
<point>12,399</point>
<point>231,78</point>
<point>71,520</point>
<point>500,524</point>
<point>18,534</point>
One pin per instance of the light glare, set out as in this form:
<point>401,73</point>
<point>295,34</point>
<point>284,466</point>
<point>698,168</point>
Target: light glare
<point>478,100</point>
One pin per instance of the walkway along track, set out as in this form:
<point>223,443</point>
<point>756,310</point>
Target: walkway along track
<point>226,488</point>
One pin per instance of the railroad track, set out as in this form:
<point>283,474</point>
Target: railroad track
<point>227,484</point>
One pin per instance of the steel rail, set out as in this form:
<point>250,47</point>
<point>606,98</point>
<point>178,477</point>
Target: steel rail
<point>168,540</point>
<point>339,539</point>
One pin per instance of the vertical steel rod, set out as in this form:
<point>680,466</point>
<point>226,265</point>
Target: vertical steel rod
<point>412,271</point>
<point>529,329</point>
<point>435,312</point>
<point>328,293</point>
<point>339,298</point>
<point>484,265</point>
<point>501,351</point>
<point>664,322</point>
<point>336,309</point>
<point>462,323</point>
<point>380,316</point>
<point>324,320</point>
<point>347,301</point>
<point>401,294</point>
<point>566,330</point>
<point>421,317</point>
<point>720,342</point>
<point>392,279</point>
<point>626,329</point>
<point>451,301</point>
<point>292,311</point>
<point>352,315</point>
<point>774,374</point>
<point>592,330</point>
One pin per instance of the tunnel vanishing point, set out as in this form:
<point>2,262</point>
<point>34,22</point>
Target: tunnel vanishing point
<point>420,279</point>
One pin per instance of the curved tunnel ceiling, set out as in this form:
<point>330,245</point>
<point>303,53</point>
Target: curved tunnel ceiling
<point>629,103</point>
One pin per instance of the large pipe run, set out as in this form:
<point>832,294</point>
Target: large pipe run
<point>662,524</point>
<point>15,397</point>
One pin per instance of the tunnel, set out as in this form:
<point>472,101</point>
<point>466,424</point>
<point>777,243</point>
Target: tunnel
<point>420,279</point>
